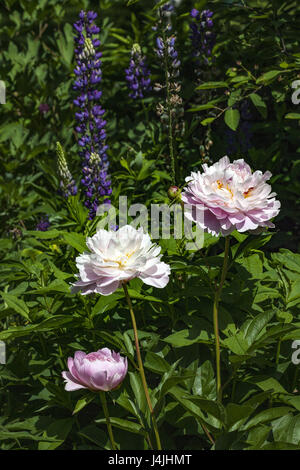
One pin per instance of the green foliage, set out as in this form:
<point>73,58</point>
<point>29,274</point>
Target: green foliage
<point>43,324</point>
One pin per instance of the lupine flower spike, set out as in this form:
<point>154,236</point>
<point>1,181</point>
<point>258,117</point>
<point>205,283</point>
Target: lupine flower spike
<point>202,36</point>
<point>67,183</point>
<point>89,117</point>
<point>172,110</point>
<point>138,74</point>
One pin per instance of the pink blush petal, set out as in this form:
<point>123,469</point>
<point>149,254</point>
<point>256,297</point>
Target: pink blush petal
<point>99,380</point>
<point>71,383</point>
<point>108,289</point>
<point>159,282</point>
<point>72,368</point>
<point>70,363</point>
<point>211,223</point>
<point>219,213</point>
<point>246,224</point>
<point>236,218</point>
<point>84,287</point>
<point>79,355</point>
<point>106,352</point>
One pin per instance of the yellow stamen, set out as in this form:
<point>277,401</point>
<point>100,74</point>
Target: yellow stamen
<point>221,186</point>
<point>122,263</point>
<point>228,189</point>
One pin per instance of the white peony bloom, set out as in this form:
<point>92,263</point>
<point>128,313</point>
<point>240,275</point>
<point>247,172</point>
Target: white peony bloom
<point>118,256</point>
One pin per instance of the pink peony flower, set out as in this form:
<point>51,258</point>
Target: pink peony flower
<point>101,370</point>
<point>230,197</point>
<point>118,256</point>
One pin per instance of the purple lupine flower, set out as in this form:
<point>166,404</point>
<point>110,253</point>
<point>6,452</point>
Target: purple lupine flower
<point>194,13</point>
<point>168,47</point>
<point>43,224</point>
<point>168,7</point>
<point>138,74</point>
<point>44,108</point>
<point>203,39</point>
<point>89,117</point>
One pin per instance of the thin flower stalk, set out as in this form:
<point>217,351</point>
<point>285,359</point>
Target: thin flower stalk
<point>216,320</point>
<point>107,419</point>
<point>141,368</point>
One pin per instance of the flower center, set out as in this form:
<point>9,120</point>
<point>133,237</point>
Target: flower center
<point>122,263</point>
<point>220,185</point>
<point>122,260</point>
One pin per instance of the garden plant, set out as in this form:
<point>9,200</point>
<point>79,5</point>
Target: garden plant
<point>150,207</point>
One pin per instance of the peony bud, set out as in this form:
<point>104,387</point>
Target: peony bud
<point>101,370</point>
<point>173,192</point>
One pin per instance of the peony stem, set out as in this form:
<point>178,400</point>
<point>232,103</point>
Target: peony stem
<point>141,368</point>
<point>108,424</point>
<point>215,318</point>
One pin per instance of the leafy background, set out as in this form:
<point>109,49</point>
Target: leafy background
<point>256,59</point>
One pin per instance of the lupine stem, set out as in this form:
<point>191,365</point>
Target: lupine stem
<point>108,424</point>
<point>141,368</point>
<point>169,108</point>
<point>215,318</point>
<point>171,146</point>
<point>170,117</point>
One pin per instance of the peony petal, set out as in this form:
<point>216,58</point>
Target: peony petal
<point>71,383</point>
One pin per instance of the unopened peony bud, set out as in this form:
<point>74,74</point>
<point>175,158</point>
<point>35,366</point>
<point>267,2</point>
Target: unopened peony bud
<point>101,370</point>
<point>173,192</point>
